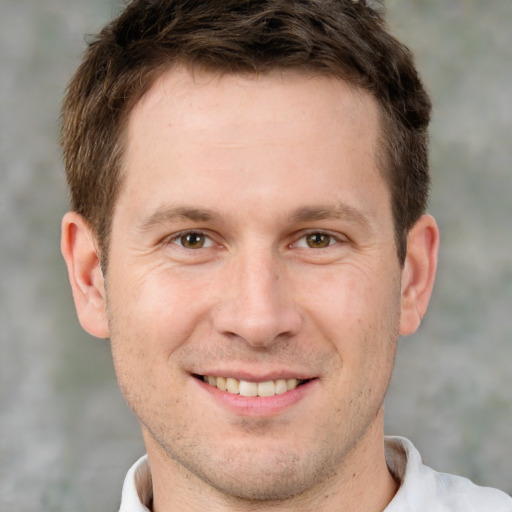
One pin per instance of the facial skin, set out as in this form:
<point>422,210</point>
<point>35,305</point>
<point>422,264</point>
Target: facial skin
<point>289,270</point>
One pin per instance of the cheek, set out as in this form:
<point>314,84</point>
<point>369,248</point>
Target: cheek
<point>351,295</point>
<point>357,311</point>
<point>150,319</point>
<point>151,316</point>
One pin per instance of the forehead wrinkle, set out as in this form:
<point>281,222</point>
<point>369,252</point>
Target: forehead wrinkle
<point>167,215</point>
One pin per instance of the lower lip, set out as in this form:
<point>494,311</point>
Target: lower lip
<point>256,405</point>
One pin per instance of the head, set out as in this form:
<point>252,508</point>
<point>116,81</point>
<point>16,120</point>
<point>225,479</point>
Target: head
<point>343,39</point>
<point>256,174</point>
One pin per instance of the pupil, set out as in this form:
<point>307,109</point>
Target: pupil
<point>318,240</point>
<point>193,240</point>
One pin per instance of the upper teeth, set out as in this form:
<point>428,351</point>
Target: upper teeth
<point>246,388</point>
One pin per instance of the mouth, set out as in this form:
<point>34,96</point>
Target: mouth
<point>252,389</point>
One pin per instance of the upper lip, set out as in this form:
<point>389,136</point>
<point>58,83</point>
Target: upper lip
<point>255,376</point>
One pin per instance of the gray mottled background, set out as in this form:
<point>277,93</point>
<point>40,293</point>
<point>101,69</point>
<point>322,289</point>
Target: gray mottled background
<point>66,438</point>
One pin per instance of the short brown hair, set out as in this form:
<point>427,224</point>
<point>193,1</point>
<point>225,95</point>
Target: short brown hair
<point>343,38</point>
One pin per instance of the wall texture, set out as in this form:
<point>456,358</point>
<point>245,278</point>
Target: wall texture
<point>66,438</point>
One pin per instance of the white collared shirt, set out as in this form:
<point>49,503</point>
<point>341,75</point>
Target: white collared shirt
<point>421,488</point>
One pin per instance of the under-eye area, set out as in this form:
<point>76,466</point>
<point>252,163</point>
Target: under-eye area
<point>246,388</point>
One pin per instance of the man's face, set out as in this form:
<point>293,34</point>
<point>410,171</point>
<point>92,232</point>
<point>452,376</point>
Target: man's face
<point>253,243</point>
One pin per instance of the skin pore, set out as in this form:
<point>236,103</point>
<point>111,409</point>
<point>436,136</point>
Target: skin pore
<point>253,241</point>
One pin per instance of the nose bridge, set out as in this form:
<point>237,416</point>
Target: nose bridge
<point>257,305</point>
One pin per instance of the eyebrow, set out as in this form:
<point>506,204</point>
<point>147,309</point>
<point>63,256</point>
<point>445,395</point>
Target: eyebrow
<point>167,215</point>
<point>339,211</point>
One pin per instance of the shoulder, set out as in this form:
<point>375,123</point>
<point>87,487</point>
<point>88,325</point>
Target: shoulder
<point>423,489</point>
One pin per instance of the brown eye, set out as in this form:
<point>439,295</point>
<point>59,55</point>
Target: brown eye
<point>318,240</point>
<point>192,240</point>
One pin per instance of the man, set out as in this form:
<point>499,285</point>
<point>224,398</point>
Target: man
<point>248,227</point>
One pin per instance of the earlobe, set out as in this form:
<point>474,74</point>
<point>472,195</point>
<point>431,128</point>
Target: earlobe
<point>79,248</point>
<point>418,273</point>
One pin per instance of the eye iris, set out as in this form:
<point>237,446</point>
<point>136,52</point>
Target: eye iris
<point>192,240</point>
<point>318,240</point>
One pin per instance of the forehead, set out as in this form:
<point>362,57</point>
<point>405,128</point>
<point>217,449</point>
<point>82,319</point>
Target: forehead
<point>186,90</point>
<point>281,133</point>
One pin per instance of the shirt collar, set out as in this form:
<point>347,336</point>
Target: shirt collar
<point>137,493</point>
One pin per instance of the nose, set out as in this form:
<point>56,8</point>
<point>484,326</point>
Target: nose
<point>257,303</point>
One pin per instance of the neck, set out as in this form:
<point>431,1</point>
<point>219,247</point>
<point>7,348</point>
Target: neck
<point>363,483</point>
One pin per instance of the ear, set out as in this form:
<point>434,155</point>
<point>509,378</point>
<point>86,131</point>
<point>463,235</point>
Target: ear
<point>418,273</point>
<point>79,248</point>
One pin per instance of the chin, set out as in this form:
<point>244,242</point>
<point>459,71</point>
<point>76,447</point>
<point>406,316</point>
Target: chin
<point>261,475</point>
<point>263,486</point>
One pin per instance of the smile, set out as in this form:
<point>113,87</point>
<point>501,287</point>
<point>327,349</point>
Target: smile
<point>246,388</point>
